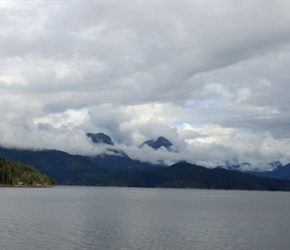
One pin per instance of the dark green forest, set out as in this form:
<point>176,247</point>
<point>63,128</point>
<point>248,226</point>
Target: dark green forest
<point>14,173</point>
<point>182,175</point>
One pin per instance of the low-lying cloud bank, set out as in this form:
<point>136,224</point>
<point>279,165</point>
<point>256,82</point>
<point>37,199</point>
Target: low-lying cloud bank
<point>209,145</point>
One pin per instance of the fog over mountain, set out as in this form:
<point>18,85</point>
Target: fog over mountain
<point>211,77</point>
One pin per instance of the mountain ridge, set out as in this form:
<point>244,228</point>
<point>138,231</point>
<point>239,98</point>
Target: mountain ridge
<point>282,172</point>
<point>157,143</point>
<point>79,170</point>
<point>100,138</point>
<point>67,168</point>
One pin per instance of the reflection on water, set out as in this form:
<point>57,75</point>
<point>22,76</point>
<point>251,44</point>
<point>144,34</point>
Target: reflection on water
<point>136,218</point>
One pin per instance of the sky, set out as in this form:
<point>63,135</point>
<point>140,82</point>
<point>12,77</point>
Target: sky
<point>211,76</point>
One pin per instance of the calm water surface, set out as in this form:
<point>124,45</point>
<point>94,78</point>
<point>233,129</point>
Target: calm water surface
<point>135,218</point>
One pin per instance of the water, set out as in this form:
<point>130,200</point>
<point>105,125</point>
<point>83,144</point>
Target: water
<point>135,218</point>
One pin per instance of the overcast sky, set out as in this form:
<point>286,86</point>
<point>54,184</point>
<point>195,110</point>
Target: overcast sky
<point>211,76</point>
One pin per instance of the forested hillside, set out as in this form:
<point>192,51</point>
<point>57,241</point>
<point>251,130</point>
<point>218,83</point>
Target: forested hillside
<point>14,173</point>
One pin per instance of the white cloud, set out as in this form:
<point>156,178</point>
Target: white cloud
<point>69,119</point>
<point>211,76</point>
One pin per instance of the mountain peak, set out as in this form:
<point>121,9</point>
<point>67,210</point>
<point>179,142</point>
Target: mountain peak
<point>100,138</point>
<point>158,143</point>
<point>276,165</point>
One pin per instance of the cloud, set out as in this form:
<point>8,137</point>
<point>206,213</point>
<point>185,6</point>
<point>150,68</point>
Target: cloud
<point>211,77</point>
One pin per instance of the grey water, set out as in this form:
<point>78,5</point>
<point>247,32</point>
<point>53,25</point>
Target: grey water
<point>136,218</point>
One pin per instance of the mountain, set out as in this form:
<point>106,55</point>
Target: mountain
<point>74,169</point>
<point>279,173</point>
<point>100,138</point>
<point>276,165</point>
<point>120,162</point>
<point>113,157</point>
<point>14,173</point>
<point>235,166</point>
<point>60,165</point>
<point>185,175</point>
<point>80,170</point>
<point>158,143</point>
<point>248,167</point>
